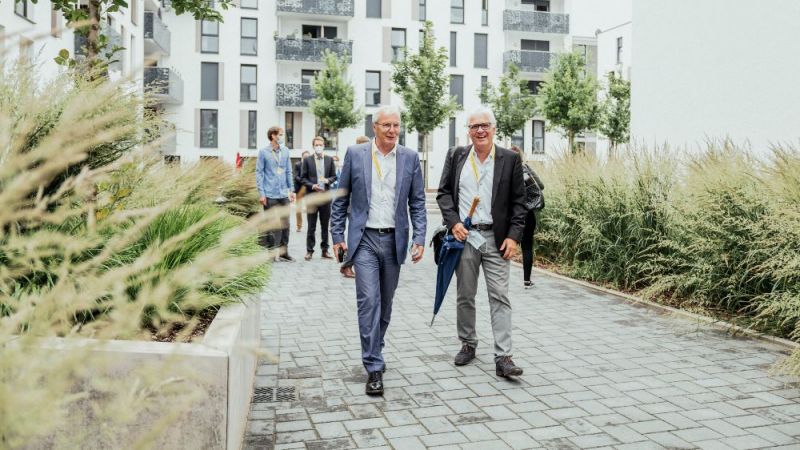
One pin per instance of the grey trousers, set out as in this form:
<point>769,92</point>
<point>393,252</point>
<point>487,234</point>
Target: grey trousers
<point>496,273</point>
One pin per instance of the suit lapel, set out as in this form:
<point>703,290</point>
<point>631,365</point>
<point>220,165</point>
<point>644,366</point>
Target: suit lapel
<point>462,159</point>
<point>398,178</point>
<point>368,172</point>
<point>498,172</point>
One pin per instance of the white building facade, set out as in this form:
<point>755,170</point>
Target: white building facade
<point>224,84</point>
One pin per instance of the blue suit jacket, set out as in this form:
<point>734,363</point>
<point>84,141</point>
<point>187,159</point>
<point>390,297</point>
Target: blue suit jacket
<point>355,184</point>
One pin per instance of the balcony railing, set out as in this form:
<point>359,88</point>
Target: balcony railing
<point>535,21</point>
<point>343,8</point>
<point>311,50</point>
<point>293,95</point>
<point>156,35</point>
<point>114,40</point>
<point>164,84</point>
<point>528,60</point>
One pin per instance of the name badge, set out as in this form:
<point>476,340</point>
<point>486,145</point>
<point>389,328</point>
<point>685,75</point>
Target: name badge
<point>280,171</point>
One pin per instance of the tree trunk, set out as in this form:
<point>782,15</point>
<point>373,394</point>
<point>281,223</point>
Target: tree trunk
<point>94,30</point>
<point>425,146</point>
<point>571,142</point>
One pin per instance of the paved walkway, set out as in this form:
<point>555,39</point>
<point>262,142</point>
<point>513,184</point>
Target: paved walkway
<point>599,372</point>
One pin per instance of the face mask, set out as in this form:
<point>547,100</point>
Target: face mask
<point>281,140</point>
<point>318,150</point>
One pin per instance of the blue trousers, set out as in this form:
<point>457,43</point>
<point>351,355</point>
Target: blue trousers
<point>377,273</point>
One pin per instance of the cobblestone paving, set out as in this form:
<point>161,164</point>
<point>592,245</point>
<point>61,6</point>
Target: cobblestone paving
<point>599,373</point>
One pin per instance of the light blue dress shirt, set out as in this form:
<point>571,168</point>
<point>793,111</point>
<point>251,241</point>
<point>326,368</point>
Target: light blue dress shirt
<point>274,172</point>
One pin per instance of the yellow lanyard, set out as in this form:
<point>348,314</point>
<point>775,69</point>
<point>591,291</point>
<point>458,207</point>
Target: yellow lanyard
<point>475,165</point>
<point>377,167</point>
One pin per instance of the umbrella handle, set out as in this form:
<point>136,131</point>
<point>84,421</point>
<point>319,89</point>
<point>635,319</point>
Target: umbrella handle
<point>474,206</point>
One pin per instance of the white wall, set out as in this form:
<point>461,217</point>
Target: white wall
<point>730,71</point>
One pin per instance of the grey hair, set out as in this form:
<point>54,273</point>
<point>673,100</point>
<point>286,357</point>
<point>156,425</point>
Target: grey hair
<point>386,110</point>
<point>480,111</point>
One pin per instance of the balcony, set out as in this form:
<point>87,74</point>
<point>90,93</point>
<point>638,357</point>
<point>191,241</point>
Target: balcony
<point>535,21</point>
<point>293,95</point>
<point>156,35</point>
<point>113,36</point>
<point>311,50</point>
<point>528,60</point>
<point>164,84</point>
<point>334,8</point>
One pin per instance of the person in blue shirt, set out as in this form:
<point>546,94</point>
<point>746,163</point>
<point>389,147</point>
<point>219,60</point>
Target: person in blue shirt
<point>275,183</point>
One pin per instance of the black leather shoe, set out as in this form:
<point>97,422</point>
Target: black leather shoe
<point>287,258</point>
<point>466,355</point>
<point>505,367</point>
<point>374,383</point>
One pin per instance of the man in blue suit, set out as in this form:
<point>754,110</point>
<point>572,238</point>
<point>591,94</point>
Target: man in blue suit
<point>381,183</point>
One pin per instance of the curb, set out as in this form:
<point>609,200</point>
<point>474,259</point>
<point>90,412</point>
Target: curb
<point>715,323</point>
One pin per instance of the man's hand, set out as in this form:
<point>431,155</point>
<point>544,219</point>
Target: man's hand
<point>263,201</point>
<point>416,252</point>
<point>460,232</point>
<point>323,181</point>
<point>291,196</point>
<point>336,248</point>
<point>317,188</point>
<point>509,248</point>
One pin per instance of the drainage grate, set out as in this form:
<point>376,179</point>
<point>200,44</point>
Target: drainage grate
<point>269,395</point>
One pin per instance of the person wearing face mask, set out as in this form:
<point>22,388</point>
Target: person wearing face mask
<point>275,186</point>
<point>318,173</point>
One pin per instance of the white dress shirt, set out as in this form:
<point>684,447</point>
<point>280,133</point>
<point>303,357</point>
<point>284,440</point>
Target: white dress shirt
<point>384,181</point>
<point>476,181</point>
<point>319,162</point>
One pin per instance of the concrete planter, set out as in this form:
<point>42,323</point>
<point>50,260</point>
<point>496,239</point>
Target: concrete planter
<point>221,369</point>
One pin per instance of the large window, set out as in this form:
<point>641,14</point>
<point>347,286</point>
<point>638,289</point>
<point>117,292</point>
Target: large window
<point>318,31</point>
<point>249,44</point>
<point>249,4</point>
<point>539,5</point>
<point>398,43</point>
<point>374,9</point>
<point>373,88</point>
<point>538,136</point>
<point>252,128</point>
<point>534,86</point>
<point>307,76</point>
<point>423,13</point>
<point>24,8</point>
<point>485,12</point>
<point>619,50</point>
<point>534,45</point>
<point>518,139</point>
<point>289,129</point>
<point>209,36</point>
<point>453,42</point>
<point>456,11</point>
<point>452,140</point>
<point>209,81</point>
<point>457,88</point>
<point>249,83</point>
<point>208,128</point>
<point>481,50</point>
<point>368,131</point>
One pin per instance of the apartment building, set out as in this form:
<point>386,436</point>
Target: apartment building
<point>224,84</point>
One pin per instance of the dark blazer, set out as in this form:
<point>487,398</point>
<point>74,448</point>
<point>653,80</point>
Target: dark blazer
<point>309,172</point>
<point>508,193</point>
<point>298,178</point>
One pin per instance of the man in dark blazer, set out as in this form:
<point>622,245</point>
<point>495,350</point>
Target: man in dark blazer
<point>494,175</point>
<point>318,172</point>
<point>299,190</point>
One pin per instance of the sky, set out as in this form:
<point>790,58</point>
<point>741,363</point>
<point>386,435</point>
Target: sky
<point>586,16</point>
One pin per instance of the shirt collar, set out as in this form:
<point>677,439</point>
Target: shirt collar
<point>489,158</point>
<point>393,152</point>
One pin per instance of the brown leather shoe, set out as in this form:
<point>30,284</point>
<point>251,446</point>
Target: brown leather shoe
<point>464,356</point>
<point>308,256</point>
<point>348,272</point>
<point>326,255</point>
<point>505,367</point>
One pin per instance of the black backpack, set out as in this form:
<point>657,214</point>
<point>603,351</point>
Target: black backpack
<point>534,197</point>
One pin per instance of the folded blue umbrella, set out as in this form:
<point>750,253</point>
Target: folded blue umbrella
<point>449,257</point>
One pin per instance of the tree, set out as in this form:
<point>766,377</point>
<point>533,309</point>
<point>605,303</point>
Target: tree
<point>568,97</point>
<point>512,102</point>
<point>334,97</point>
<point>617,111</point>
<point>422,83</point>
<point>87,18</point>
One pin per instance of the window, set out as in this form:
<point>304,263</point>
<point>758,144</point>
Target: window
<point>518,139</point>
<point>481,49</point>
<point>534,45</point>
<point>539,5</point>
<point>421,143</point>
<point>421,38</point>
<point>249,83</point>
<point>484,85</point>
<point>249,44</point>
<point>402,137</point>
<point>368,131</point>
<point>209,81</point>
<point>485,12</point>
<point>398,43</point>
<point>456,11</point>
<point>457,88</point>
<point>307,76</point>
<point>619,50</point>
<point>452,140</point>
<point>533,86</point>
<point>208,128</point>
<point>318,31</point>
<point>453,49</point>
<point>24,8</point>
<point>289,129</point>
<point>374,10</point>
<point>583,50</point>
<point>373,88</point>
<point>209,36</point>
<point>252,128</point>
<point>423,10</point>
<point>134,12</point>
<point>249,4</point>
<point>538,136</point>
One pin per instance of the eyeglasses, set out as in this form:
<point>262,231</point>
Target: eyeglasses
<point>480,126</point>
<point>388,126</point>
